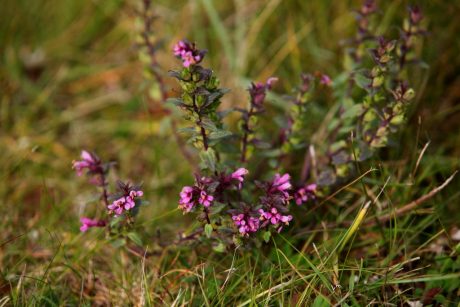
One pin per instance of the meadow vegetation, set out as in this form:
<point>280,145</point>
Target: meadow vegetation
<point>382,228</point>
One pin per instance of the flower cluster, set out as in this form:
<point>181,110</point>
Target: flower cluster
<point>190,197</point>
<point>275,202</point>
<point>87,223</point>
<point>201,192</point>
<point>245,223</point>
<point>125,202</point>
<point>98,171</point>
<point>272,210</point>
<point>273,217</point>
<point>280,187</point>
<point>188,53</point>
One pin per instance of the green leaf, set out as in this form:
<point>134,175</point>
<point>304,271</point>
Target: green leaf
<point>267,235</point>
<point>219,248</point>
<point>353,111</point>
<point>321,301</point>
<point>115,221</point>
<point>208,230</point>
<point>208,124</point>
<point>133,236</point>
<point>378,81</point>
<point>219,134</point>
<point>362,81</point>
<point>187,130</point>
<point>208,157</point>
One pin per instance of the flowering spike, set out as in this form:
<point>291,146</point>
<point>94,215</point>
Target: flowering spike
<point>127,201</point>
<point>188,53</point>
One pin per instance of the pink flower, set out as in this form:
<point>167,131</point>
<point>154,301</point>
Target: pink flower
<point>87,223</point>
<point>326,80</point>
<point>186,196</point>
<point>304,194</point>
<point>190,59</point>
<point>125,203</point>
<point>280,186</point>
<point>274,217</point>
<point>246,224</point>
<point>205,199</point>
<point>191,196</point>
<point>281,183</point>
<point>89,161</point>
<point>239,175</point>
<point>188,53</point>
<point>180,48</point>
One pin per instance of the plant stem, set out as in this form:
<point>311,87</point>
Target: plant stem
<point>155,70</point>
<point>104,195</point>
<point>203,131</point>
<point>246,134</point>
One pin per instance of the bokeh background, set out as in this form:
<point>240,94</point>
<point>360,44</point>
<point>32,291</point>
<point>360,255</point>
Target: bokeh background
<point>72,78</point>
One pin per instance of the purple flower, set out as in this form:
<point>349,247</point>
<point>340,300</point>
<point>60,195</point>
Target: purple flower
<point>239,175</point>
<point>281,185</point>
<point>273,217</point>
<point>125,202</point>
<point>186,202</point>
<point>246,224</point>
<point>192,196</point>
<point>186,194</point>
<point>304,194</point>
<point>258,91</point>
<point>205,199</point>
<point>326,80</point>
<point>188,53</point>
<point>87,223</point>
<point>88,161</point>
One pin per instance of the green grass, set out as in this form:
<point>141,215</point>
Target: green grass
<point>71,78</point>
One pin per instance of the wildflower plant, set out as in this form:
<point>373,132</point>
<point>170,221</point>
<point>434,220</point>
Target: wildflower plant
<point>240,200</point>
<point>120,207</point>
<point>252,183</point>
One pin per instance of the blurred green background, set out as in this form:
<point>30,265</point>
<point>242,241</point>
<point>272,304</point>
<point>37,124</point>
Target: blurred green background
<point>71,79</point>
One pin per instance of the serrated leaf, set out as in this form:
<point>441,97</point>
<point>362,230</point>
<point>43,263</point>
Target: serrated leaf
<point>208,230</point>
<point>219,134</point>
<point>362,81</point>
<point>187,130</point>
<point>208,157</point>
<point>208,124</point>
